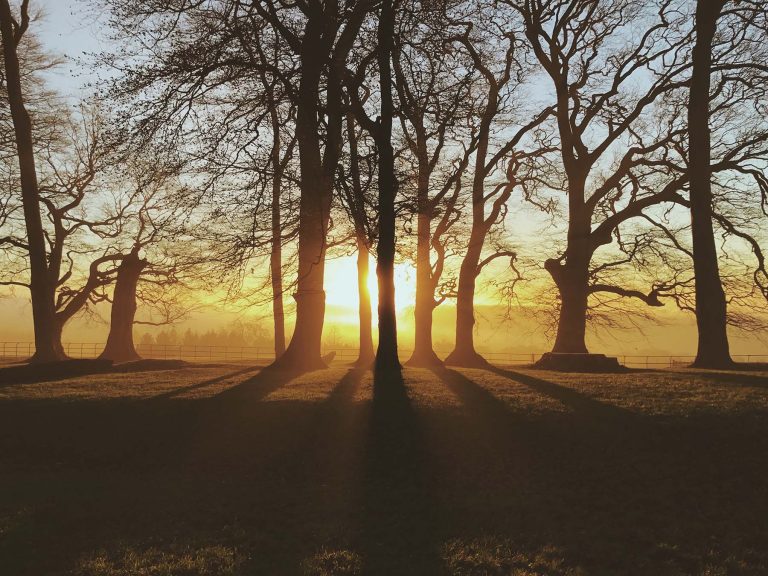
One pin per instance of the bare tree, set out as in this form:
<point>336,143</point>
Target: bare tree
<point>501,78</point>
<point>47,341</point>
<point>355,184</point>
<point>593,64</point>
<point>434,87</point>
<point>149,251</point>
<point>737,69</point>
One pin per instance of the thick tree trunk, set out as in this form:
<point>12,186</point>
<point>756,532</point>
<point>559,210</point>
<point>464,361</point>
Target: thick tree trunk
<point>120,346</point>
<point>572,276</point>
<point>386,356</point>
<point>572,280</point>
<point>50,340</point>
<point>304,351</point>
<point>464,353</point>
<point>276,257</point>
<point>47,345</point>
<point>423,351</point>
<point>366,355</point>
<point>572,322</point>
<point>711,314</point>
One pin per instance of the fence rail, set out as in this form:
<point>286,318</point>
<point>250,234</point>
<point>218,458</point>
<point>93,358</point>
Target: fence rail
<point>202,353</point>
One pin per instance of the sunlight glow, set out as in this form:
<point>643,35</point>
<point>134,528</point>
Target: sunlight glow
<point>341,284</point>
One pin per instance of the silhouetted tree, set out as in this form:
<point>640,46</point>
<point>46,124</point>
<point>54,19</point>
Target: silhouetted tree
<point>355,183</point>
<point>711,313</point>
<point>321,45</point>
<point>738,69</point>
<point>501,81</point>
<point>41,285</point>
<point>153,248</point>
<point>434,88</point>
<point>386,355</point>
<point>594,66</point>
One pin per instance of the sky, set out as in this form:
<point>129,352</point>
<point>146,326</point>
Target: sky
<point>72,28</point>
<point>69,28</point>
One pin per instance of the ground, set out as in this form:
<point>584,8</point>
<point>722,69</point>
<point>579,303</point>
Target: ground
<point>232,470</point>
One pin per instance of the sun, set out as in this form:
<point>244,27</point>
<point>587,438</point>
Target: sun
<point>341,284</point>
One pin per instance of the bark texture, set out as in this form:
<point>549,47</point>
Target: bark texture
<point>48,346</point>
<point>387,359</point>
<point>120,346</point>
<point>711,313</point>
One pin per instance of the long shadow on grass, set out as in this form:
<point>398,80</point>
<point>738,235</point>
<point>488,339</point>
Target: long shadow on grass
<point>204,384</point>
<point>78,367</point>
<point>327,468</point>
<point>738,379</point>
<point>580,403</point>
<point>398,525</point>
<point>255,388</point>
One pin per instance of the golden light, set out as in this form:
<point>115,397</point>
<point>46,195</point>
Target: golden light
<point>341,285</point>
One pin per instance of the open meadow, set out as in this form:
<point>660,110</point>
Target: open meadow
<point>225,469</point>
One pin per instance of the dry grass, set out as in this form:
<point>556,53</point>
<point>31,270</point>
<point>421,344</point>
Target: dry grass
<point>229,470</point>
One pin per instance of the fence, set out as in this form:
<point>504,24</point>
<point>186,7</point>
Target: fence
<point>200,353</point>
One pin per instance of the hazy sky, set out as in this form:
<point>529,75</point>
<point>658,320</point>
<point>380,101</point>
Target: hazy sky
<point>68,28</point>
<point>72,28</point>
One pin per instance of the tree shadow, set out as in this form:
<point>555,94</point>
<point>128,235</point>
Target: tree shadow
<point>738,377</point>
<point>543,479</point>
<point>78,367</point>
<point>327,468</point>
<point>476,398</point>
<point>580,403</point>
<point>398,521</point>
<point>204,384</point>
<point>387,482</point>
<point>255,388</point>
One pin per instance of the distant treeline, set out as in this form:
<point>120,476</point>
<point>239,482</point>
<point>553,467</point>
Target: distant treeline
<point>240,335</point>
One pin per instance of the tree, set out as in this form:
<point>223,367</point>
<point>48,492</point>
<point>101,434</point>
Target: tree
<point>713,350</point>
<point>154,249</point>
<point>434,88</point>
<point>355,187</point>
<point>204,56</point>
<point>47,341</point>
<point>380,130</point>
<point>322,47</point>
<point>728,49</point>
<point>594,65</point>
<point>387,359</point>
<point>501,81</point>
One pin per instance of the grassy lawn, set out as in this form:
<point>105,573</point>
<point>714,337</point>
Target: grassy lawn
<point>230,470</point>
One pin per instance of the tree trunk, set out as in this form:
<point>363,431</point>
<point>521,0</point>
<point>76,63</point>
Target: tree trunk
<point>304,351</point>
<point>386,356</point>
<point>423,351</point>
<point>464,353</point>
<point>572,322</point>
<point>366,355</point>
<point>711,314</point>
<point>47,345</point>
<point>572,277</point>
<point>276,257</point>
<point>120,346</point>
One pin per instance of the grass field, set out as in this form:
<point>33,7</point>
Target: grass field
<point>229,470</point>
